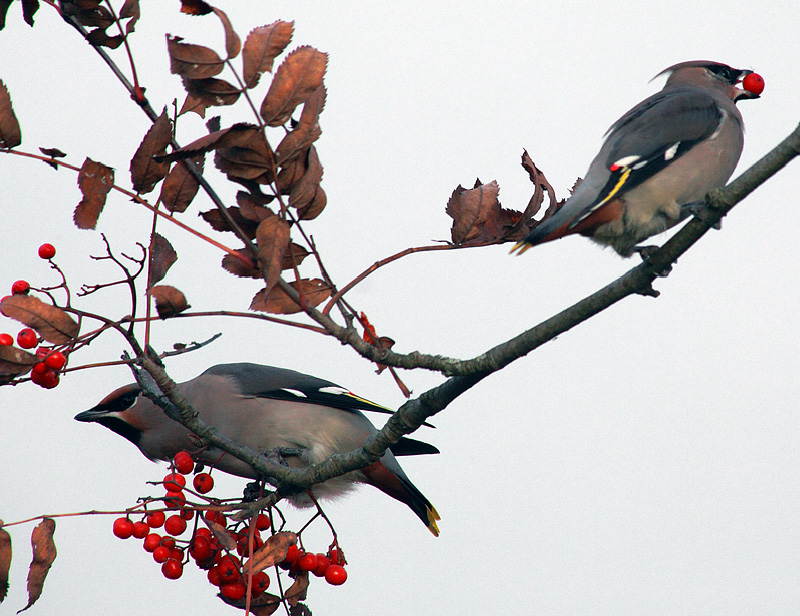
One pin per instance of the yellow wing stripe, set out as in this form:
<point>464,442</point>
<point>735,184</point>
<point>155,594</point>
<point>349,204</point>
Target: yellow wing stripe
<point>622,179</point>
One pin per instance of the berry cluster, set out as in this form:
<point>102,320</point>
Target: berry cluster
<point>218,547</point>
<point>51,362</point>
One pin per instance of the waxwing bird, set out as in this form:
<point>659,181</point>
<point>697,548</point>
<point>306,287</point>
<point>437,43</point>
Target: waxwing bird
<point>266,408</point>
<point>659,160</point>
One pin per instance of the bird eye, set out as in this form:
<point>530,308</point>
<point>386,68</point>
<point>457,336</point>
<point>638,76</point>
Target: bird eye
<point>723,72</point>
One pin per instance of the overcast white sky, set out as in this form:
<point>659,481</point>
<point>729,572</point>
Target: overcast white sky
<point>645,463</point>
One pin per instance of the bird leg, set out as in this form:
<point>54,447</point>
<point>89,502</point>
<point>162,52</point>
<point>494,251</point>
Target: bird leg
<point>701,211</point>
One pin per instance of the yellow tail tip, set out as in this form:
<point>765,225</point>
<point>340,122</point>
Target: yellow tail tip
<point>433,517</point>
<point>521,247</point>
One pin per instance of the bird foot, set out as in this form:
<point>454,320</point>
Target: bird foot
<point>646,252</point>
<point>703,213</point>
<point>279,454</point>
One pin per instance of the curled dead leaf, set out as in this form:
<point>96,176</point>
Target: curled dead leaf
<point>52,323</point>
<point>192,61</point>
<point>5,560</point>
<point>261,47</point>
<point>314,209</point>
<point>314,291</point>
<point>180,186</point>
<point>15,362</point>
<point>195,7</point>
<point>233,44</point>
<point>162,257</point>
<point>95,181</point>
<point>146,170</point>
<point>477,216</point>
<point>212,92</point>
<point>169,301</point>
<point>272,239</point>
<point>271,552</point>
<point>295,81</point>
<point>305,189</point>
<point>44,553</point>
<point>218,223</point>
<point>10,133</point>
<point>223,535</point>
<point>297,591</point>
<point>241,134</point>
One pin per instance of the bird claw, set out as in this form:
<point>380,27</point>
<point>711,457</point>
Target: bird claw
<point>645,252</point>
<point>701,211</point>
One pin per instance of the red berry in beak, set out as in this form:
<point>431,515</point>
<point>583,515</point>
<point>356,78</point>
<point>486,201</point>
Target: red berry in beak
<point>753,82</point>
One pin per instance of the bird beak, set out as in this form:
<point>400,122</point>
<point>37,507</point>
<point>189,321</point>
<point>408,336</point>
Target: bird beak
<point>92,414</point>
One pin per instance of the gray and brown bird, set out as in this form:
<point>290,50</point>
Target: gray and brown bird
<point>659,160</point>
<point>267,409</point>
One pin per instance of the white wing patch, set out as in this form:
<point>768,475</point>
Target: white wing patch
<point>333,389</point>
<point>625,161</point>
<point>673,149</point>
<point>295,392</point>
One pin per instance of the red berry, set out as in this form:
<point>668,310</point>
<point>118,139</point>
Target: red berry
<point>203,483</point>
<point>262,522</point>
<point>174,499</point>
<point>168,542</point>
<point>20,287</point>
<point>172,569</point>
<point>335,575</point>
<point>203,532</point>
<point>337,556</point>
<point>228,569</point>
<point>47,251</point>
<point>187,514</point>
<point>183,462</point>
<point>140,530</point>
<point>161,554</point>
<point>56,360</point>
<point>6,340</point>
<point>213,576</point>
<point>201,548</point>
<point>260,583</point>
<point>233,590</point>
<point>40,368</point>
<point>243,542</point>
<point>323,562</point>
<point>27,338</point>
<point>753,82</point>
<point>216,516</point>
<point>151,542</point>
<point>177,554</point>
<point>174,482</point>
<point>48,379</point>
<point>308,562</point>
<point>155,519</point>
<point>175,525</point>
<point>292,554</point>
<point>123,528</point>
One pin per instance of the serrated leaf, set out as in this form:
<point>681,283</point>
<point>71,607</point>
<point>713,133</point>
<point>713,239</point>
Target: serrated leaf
<point>212,92</point>
<point>272,239</point>
<point>162,257</point>
<point>193,61</point>
<point>146,170</point>
<point>294,82</point>
<point>52,323</point>
<point>313,291</point>
<point>169,300</point>
<point>475,213</point>
<point>261,47</point>
<point>10,134</point>
<point>95,181</point>
<point>44,553</point>
<point>304,190</point>
<point>180,186</point>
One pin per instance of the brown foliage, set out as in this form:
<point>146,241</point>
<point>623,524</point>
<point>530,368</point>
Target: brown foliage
<point>261,48</point>
<point>295,81</point>
<point>313,291</point>
<point>180,186</point>
<point>95,181</point>
<point>192,61</point>
<point>10,134</point>
<point>146,170</point>
<point>169,301</point>
<point>162,257</point>
<point>15,362</point>
<point>44,553</point>
<point>52,323</point>
<point>272,239</point>
<point>271,553</point>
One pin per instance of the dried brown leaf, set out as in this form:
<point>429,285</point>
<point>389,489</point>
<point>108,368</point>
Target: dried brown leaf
<point>130,10</point>
<point>305,189</point>
<point>194,104</point>
<point>314,209</point>
<point>15,362</point>
<point>223,535</point>
<point>52,323</point>
<point>180,186</point>
<point>297,591</point>
<point>95,181</point>
<point>146,171</point>
<point>100,38</point>
<point>237,134</point>
<point>193,61</point>
<point>218,223</point>
<point>233,44</point>
<point>212,92</point>
<point>247,158</point>
<point>52,152</point>
<point>244,268</point>
<point>162,257</point>
<point>5,560</point>
<point>290,174</point>
<point>29,8</point>
<point>271,553</point>
<point>261,47</point>
<point>169,301</point>
<point>250,208</point>
<point>10,134</point>
<point>272,239</point>
<point>313,291</point>
<point>195,7</point>
<point>475,212</point>
<point>307,131</point>
<point>295,81</point>
<point>44,553</point>
<point>264,604</point>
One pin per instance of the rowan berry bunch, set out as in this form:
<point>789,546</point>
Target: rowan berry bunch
<point>218,544</point>
<point>45,372</point>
